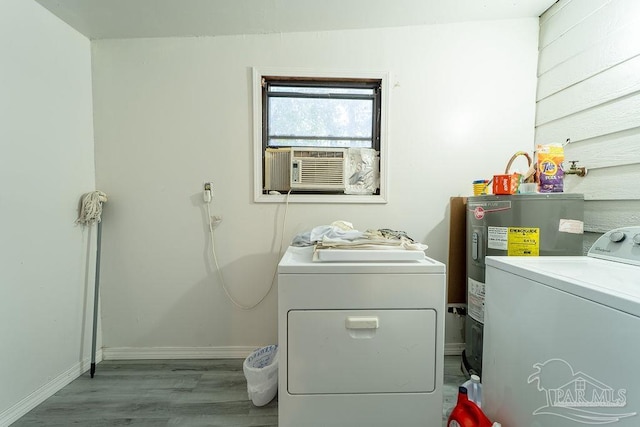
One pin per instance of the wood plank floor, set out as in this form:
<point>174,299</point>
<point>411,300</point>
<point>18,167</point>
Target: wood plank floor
<point>173,393</point>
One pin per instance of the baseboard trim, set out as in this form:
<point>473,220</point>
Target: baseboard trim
<point>169,353</point>
<point>453,349</point>
<point>21,408</point>
<point>234,352</point>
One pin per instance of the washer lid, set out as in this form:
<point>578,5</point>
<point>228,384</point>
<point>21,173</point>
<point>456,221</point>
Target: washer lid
<point>613,284</point>
<point>300,260</point>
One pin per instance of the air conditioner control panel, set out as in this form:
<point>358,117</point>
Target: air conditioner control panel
<point>295,171</point>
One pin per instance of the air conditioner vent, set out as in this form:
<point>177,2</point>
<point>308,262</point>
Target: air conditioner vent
<point>317,168</point>
<point>277,175</point>
<point>317,154</point>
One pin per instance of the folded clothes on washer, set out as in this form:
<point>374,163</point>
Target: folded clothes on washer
<point>341,235</point>
<point>372,239</point>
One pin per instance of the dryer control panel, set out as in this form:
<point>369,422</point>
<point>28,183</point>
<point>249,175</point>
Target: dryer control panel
<point>620,245</point>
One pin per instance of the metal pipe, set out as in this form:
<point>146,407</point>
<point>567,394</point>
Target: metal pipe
<point>96,297</point>
<point>575,170</point>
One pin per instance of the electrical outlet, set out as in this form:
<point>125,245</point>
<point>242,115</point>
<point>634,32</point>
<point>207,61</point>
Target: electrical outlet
<point>206,193</point>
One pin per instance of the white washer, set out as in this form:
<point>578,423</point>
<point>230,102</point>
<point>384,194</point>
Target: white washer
<point>561,337</point>
<point>361,343</point>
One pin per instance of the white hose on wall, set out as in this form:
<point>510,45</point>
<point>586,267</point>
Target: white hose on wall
<point>216,220</point>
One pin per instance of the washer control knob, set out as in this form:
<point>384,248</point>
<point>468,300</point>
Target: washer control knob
<point>636,239</point>
<point>616,236</point>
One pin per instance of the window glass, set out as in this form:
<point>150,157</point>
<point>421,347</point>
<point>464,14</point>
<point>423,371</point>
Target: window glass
<point>320,114</point>
<point>320,122</point>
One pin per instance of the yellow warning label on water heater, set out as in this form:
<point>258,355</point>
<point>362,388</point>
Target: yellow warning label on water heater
<point>523,241</point>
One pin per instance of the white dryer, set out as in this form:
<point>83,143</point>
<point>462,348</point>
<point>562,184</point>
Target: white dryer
<point>562,337</point>
<point>361,342</point>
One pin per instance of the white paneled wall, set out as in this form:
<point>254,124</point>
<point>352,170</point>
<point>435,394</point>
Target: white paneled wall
<point>589,91</point>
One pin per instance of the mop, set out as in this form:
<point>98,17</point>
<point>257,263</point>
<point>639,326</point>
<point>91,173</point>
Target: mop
<point>90,213</point>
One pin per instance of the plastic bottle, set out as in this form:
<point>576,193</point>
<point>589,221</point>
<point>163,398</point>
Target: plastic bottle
<point>467,413</point>
<point>474,390</point>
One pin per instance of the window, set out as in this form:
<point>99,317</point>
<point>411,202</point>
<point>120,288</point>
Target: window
<point>320,139</point>
<point>312,113</point>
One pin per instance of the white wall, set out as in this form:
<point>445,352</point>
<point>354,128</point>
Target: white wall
<point>172,113</point>
<point>46,164</point>
<point>588,90</point>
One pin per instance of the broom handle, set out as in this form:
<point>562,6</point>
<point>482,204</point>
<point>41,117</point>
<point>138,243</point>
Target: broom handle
<point>96,296</point>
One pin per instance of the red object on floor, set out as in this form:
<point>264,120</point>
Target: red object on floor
<point>466,413</point>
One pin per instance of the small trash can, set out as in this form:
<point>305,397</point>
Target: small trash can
<point>261,371</point>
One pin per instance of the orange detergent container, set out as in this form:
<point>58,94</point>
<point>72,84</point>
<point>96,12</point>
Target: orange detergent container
<point>468,414</point>
<point>506,184</point>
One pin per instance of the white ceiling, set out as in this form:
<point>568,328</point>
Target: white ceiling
<point>98,19</point>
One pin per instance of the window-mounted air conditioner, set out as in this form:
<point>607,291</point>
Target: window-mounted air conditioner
<point>318,168</point>
<point>309,169</point>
